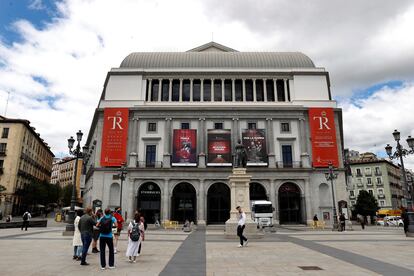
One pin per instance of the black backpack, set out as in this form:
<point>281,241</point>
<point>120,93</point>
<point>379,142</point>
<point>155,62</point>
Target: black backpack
<point>105,227</point>
<point>135,233</point>
<point>26,216</point>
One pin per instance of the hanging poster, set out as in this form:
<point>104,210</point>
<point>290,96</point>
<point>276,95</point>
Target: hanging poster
<point>254,140</point>
<point>114,137</point>
<point>219,147</point>
<point>184,147</point>
<point>323,136</point>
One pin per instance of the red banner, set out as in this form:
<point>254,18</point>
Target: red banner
<point>323,135</point>
<point>219,147</point>
<point>114,137</point>
<point>184,147</point>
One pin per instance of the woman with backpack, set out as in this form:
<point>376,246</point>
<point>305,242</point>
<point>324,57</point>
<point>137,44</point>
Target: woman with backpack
<point>105,238</point>
<point>135,230</point>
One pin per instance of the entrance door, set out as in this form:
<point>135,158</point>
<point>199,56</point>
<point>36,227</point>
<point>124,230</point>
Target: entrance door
<point>183,203</point>
<point>149,201</point>
<point>289,204</point>
<point>257,191</point>
<point>218,204</point>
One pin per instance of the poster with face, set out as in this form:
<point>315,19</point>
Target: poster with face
<point>184,147</point>
<point>254,140</point>
<point>219,147</point>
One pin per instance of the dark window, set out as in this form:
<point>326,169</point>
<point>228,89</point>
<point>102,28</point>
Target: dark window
<point>249,90</point>
<point>288,90</point>
<point>175,90</point>
<point>154,90</point>
<point>147,96</point>
<point>280,88</point>
<point>185,125</point>
<point>186,90</point>
<point>3,147</point>
<point>5,133</point>
<point>238,87</point>
<point>270,90</point>
<point>165,90</point>
<point>251,125</point>
<point>285,127</point>
<point>150,155</point>
<point>1,164</point>
<point>196,90</point>
<point>152,127</point>
<point>228,94</point>
<point>217,90</point>
<point>207,90</point>
<point>259,91</point>
<point>287,156</point>
<point>218,125</point>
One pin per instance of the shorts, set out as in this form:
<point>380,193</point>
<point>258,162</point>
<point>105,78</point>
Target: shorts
<point>95,235</point>
<point>118,232</point>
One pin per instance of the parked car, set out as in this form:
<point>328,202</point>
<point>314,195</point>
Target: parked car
<point>391,221</point>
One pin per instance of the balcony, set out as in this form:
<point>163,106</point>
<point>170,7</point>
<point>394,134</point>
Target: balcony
<point>293,164</point>
<point>153,164</point>
<point>378,173</point>
<point>368,173</point>
<point>352,197</point>
<point>369,184</point>
<point>381,196</point>
<point>3,152</point>
<point>359,184</point>
<point>379,184</point>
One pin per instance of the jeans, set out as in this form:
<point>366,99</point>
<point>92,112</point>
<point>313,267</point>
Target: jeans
<point>240,234</point>
<point>102,244</point>
<point>77,250</point>
<point>86,241</point>
<point>25,224</point>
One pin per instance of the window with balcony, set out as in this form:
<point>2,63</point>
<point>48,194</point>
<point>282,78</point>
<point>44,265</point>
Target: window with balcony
<point>369,181</point>
<point>380,191</point>
<point>150,155</point>
<point>379,181</point>
<point>3,147</point>
<point>358,172</point>
<point>359,182</point>
<point>377,171</point>
<point>368,171</point>
<point>5,133</point>
<point>287,156</point>
<point>351,193</point>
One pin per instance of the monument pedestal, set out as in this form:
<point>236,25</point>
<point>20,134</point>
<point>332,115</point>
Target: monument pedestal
<point>239,183</point>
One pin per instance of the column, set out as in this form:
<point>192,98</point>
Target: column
<point>264,90</point>
<point>201,90</point>
<point>201,147</point>
<point>308,202</point>
<point>181,90</point>
<point>159,89</point>
<point>165,211</point>
<point>201,221</point>
<point>191,90</point>
<point>270,143</point>
<point>304,155</point>
<point>285,87</point>
<point>234,132</point>
<point>167,143</point>
<point>233,90</point>
<point>129,197</point>
<point>149,90</point>
<point>244,89</point>
<point>133,155</point>
<point>254,91</point>
<point>170,91</point>
<point>222,90</point>
<point>275,90</point>
<point>274,202</point>
<point>212,90</point>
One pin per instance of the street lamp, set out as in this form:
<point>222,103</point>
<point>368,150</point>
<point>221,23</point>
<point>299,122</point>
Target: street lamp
<point>330,176</point>
<point>122,173</point>
<point>70,227</point>
<point>401,152</point>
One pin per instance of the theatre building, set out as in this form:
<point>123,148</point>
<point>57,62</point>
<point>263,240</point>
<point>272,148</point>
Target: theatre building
<point>175,118</point>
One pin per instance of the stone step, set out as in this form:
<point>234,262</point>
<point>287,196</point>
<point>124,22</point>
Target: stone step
<point>216,227</point>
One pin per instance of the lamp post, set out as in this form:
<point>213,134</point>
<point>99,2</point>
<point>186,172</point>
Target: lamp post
<point>330,176</point>
<point>122,173</point>
<point>70,227</point>
<point>401,152</point>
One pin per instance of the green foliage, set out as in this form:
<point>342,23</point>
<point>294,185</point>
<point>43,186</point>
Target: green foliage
<point>40,193</point>
<point>366,204</point>
<point>67,194</point>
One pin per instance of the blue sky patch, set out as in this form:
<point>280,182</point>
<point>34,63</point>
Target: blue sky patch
<point>50,100</point>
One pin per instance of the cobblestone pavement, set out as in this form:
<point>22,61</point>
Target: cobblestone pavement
<point>375,251</point>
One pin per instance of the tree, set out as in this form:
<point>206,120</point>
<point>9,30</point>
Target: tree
<point>366,204</point>
<point>67,194</point>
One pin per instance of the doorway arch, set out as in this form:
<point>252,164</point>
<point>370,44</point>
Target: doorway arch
<point>289,204</point>
<point>218,203</point>
<point>183,203</point>
<point>149,201</point>
<point>257,191</point>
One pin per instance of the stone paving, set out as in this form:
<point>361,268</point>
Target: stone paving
<point>375,251</point>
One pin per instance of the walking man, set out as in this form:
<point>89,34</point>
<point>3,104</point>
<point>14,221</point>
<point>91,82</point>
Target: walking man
<point>240,227</point>
<point>85,226</point>
<point>342,221</point>
<point>26,218</point>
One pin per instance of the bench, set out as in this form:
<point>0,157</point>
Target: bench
<point>170,224</point>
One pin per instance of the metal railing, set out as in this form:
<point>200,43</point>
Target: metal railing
<point>378,173</point>
<point>3,152</point>
<point>153,164</point>
<point>381,196</point>
<point>293,164</point>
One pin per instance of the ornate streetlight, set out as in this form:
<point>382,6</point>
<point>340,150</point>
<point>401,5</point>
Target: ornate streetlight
<point>401,152</point>
<point>70,227</point>
<point>330,176</point>
<point>122,173</point>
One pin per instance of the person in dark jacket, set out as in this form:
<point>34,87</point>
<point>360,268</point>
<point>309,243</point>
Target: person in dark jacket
<point>85,226</point>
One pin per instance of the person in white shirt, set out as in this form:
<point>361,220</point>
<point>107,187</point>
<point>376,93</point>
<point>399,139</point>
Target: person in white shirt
<point>240,227</point>
<point>26,217</point>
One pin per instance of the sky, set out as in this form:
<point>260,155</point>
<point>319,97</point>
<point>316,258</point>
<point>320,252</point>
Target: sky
<point>54,55</point>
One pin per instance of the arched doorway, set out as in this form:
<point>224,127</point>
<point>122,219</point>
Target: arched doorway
<point>257,191</point>
<point>218,203</point>
<point>183,203</point>
<point>289,204</point>
<point>149,201</point>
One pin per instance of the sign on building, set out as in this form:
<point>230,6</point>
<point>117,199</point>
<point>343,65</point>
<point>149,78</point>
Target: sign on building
<point>184,147</point>
<point>254,140</point>
<point>219,147</point>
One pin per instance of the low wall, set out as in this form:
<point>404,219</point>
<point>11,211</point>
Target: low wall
<point>18,224</point>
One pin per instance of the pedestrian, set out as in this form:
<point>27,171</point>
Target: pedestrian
<point>85,226</point>
<point>95,237</point>
<point>342,221</point>
<point>135,235</point>
<point>106,238</point>
<point>77,240</point>
<point>119,221</point>
<point>240,227</point>
<point>9,218</point>
<point>361,219</point>
<point>315,221</point>
<point>26,218</point>
<point>405,221</point>
<point>142,220</point>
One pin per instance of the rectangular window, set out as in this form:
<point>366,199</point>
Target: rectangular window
<point>207,90</point>
<point>359,180</point>
<point>228,93</point>
<point>382,203</point>
<point>175,90</point>
<point>251,125</point>
<point>368,171</point>
<point>379,181</point>
<point>1,164</point>
<point>150,156</point>
<point>259,91</point>
<point>358,172</point>
<point>238,87</point>
<point>217,90</point>
<point>369,181</point>
<point>280,88</point>
<point>380,191</point>
<point>165,90</point>
<point>249,90</point>
<point>351,193</point>
<point>186,90</point>
<point>270,90</point>
<point>285,127</point>
<point>3,147</point>
<point>377,171</point>
<point>196,90</point>
<point>185,125</point>
<point>155,90</point>
<point>152,127</point>
<point>287,156</point>
<point>5,133</point>
<point>353,202</point>
<point>218,125</point>
<point>370,192</point>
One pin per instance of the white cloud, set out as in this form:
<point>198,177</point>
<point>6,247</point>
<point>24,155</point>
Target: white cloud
<point>36,5</point>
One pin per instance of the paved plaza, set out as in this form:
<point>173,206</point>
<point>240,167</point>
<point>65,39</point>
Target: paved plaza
<point>289,251</point>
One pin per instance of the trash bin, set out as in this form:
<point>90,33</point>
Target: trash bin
<point>410,228</point>
<point>58,217</point>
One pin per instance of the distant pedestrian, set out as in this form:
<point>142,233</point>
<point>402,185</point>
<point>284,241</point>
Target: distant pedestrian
<point>405,221</point>
<point>342,221</point>
<point>361,220</point>
<point>315,221</point>
<point>95,237</point>
<point>240,227</point>
<point>77,240</point>
<point>85,226</point>
<point>144,223</point>
<point>26,218</point>
<point>135,235</point>
<point>106,238</point>
<point>120,222</point>
<point>9,218</point>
